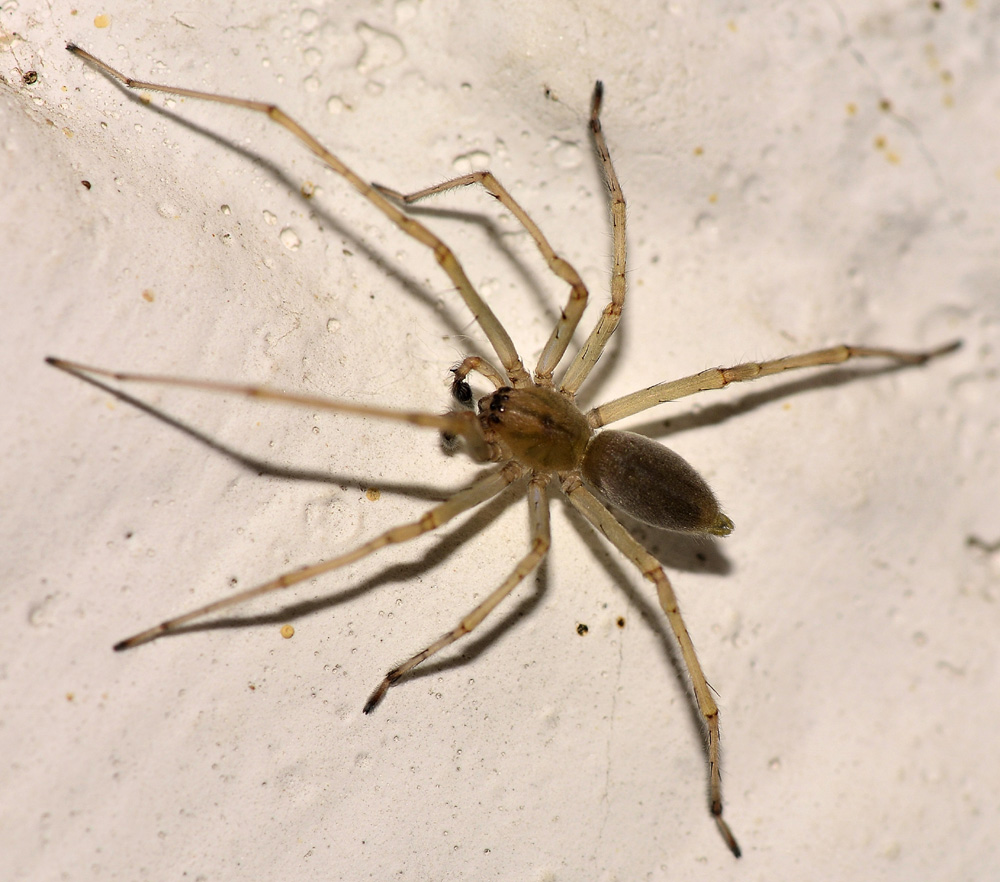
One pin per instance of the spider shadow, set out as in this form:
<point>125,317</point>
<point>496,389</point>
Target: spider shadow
<point>471,650</point>
<point>253,464</point>
<point>714,414</point>
<point>614,347</point>
<point>676,551</point>
<point>390,268</point>
<point>498,239</point>
<point>452,318</point>
<point>447,543</point>
<point>409,572</point>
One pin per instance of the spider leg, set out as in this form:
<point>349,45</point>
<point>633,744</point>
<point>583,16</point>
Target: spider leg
<point>606,523</point>
<point>464,425</point>
<point>495,333</point>
<point>718,378</point>
<point>593,348</point>
<point>483,489</point>
<point>538,505</point>
<point>578,294</point>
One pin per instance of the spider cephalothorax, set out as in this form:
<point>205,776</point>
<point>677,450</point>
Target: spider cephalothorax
<point>535,426</point>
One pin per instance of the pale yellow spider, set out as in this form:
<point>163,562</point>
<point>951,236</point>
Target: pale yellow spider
<point>529,425</point>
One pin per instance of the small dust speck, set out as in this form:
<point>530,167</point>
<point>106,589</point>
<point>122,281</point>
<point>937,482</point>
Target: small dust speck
<point>582,629</point>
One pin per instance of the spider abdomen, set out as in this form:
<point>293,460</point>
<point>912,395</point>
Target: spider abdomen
<point>536,426</point>
<point>652,484</point>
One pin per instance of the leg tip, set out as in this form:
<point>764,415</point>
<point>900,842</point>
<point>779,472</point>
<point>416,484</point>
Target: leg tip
<point>376,697</point>
<point>727,836</point>
<point>595,101</point>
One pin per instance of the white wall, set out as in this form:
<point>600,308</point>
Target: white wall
<point>774,206</point>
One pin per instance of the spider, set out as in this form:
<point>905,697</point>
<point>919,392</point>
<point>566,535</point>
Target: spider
<point>529,427</point>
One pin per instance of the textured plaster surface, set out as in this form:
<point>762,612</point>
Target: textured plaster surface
<point>798,174</point>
